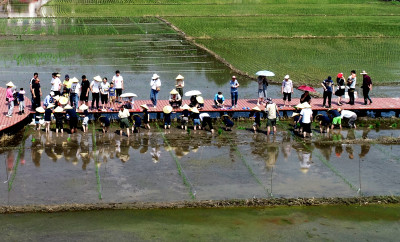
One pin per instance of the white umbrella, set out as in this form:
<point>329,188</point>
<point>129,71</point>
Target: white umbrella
<point>265,73</point>
<point>129,94</point>
<point>192,93</point>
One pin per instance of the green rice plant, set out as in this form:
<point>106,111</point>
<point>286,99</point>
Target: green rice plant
<point>377,124</point>
<point>394,125</point>
<point>371,126</point>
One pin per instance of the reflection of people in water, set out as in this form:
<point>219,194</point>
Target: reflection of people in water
<point>286,146</point>
<point>364,150</point>
<point>351,135</point>
<point>272,156</point>
<point>155,154</point>
<point>84,152</point>
<point>350,151</point>
<point>338,150</point>
<point>124,154</point>
<point>10,163</point>
<point>326,150</point>
<point>305,156</point>
<point>36,150</point>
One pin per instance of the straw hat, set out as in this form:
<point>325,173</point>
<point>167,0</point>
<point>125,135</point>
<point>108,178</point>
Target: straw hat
<point>179,77</point>
<point>225,115</point>
<point>50,105</point>
<point>56,98</point>
<point>83,107</point>
<point>97,78</point>
<point>200,99</point>
<point>174,91</point>
<point>67,107</point>
<point>155,76</point>
<point>63,100</point>
<point>74,79</point>
<point>299,106</point>
<point>58,110</point>
<point>167,109</point>
<point>295,114</point>
<point>195,110</point>
<point>10,84</point>
<point>363,73</point>
<point>339,109</point>
<point>287,77</point>
<point>58,75</point>
<point>306,105</point>
<point>256,109</point>
<point>40,110</point>
<point>144,106</point>
<point>185,107</point>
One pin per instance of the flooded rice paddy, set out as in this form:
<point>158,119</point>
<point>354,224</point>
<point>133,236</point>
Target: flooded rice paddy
<point>176,165</point>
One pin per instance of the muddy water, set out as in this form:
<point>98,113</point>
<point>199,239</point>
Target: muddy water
<point>337,223</point>
<point>176,166</point>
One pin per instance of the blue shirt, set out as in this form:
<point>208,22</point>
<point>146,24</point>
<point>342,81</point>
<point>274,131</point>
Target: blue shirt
<point>233,84</point>
<point>328,85</point>
<point>334,113</point>
<point>220,100</point>
<point>111,91</point>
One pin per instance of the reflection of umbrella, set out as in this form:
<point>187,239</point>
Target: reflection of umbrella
<point>265,73</point>
<point>192,93</point>
<point>306,88</point>
<point>129,94</point>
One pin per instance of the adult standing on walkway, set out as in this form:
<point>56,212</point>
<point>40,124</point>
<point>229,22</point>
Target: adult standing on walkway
<point>37,94</point>
<point>66,85</point>
<point>35,76</point>
<point>366,86</point>
<point>234,91</point>
<point>351,82</point>
<point>85,87</point>
<point>341,88</point>
<point>328,86</point>
<point>118,81</point>
<point>179,84</point>
<point>95,88</point>
<point>56,84</point>
<point>262,89</point>
<point>287,90</point>
<point>10,99</point>
<point>74,92</point>
<point>155,85</point>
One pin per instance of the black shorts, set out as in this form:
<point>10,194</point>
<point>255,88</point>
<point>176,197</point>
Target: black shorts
<point>306,127</point>
<point>118,91</point>
<point>288,95</point>
<point>206,121</point>
<point>59,125</point>
<point>73,123</point>
<point>84,98</point>
<point>104,98</point>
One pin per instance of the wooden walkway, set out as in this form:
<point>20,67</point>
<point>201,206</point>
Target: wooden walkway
<point>16,122</point>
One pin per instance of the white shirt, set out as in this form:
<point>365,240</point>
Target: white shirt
<point>347,114</point>
<point>104,87</point>
<point>203,115</point>
<point>353,84</point>
<point>287,86</point>
<point>271,109</point>
<point>118,80</point>
<point>56,84</point>
<point>95,86</point>
<point>155,83</point>
<point>75,86</point>
<point>306,114</point>
<point>124,113</point>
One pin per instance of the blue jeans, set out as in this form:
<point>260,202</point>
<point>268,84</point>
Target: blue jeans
<point>234,97</point>
<point>74,99</point>
<point>153,96</point>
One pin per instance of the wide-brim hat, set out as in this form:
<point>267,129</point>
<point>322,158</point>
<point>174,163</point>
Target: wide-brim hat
<point>10,84</point>
<point>299,106</point>
<point>174,91</point>
<point>185,107</point>
<point>225,115</point>
<point>83,107</point>
<point>58,110</point>
<point>306,105</point>
<point>180,77</point>
<point>144,106</point>
<point>51,105</point>
<point>256,109</point>
<point>68,107</point>
<point>58,75</point>
<point>200,99</point>
<point>155,76</point>
<point>40,110</point>
<point>74,79</point>
<point>295,114</point>
<point>287,77</point>
<point>167,109</point>
<point>63,100</point>
<point>56,98</point>
<point>195,110</point>
<point>363,73</point>
<point>97,78</point>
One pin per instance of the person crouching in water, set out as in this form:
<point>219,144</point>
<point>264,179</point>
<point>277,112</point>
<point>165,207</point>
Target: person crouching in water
<point>137,122</point>
<point>185,116</point>
<point>85,122</point>
<point>123,115</point>
<point>228,122</point>
<point>58,114</point>
<point>206,120</point>
<point>196,118</point>
<point>324,123</point>
<point>39,117</point>
<point>73,118</point>
<point>146,116</point>
<point>105,123</point>
<point>257,119</point>
<point>336,117</point>
<point>47,117</point>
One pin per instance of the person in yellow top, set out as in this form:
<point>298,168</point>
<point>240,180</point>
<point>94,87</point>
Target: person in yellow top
<point>66,85</point>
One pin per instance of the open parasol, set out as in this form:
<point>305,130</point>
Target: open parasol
<point>265,73</point>
<point>129,94</point>
<point>192,93</point>
<point>306,88</point>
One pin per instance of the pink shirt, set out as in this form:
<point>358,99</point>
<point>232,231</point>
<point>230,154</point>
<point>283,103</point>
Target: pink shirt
<point>9,94</point>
